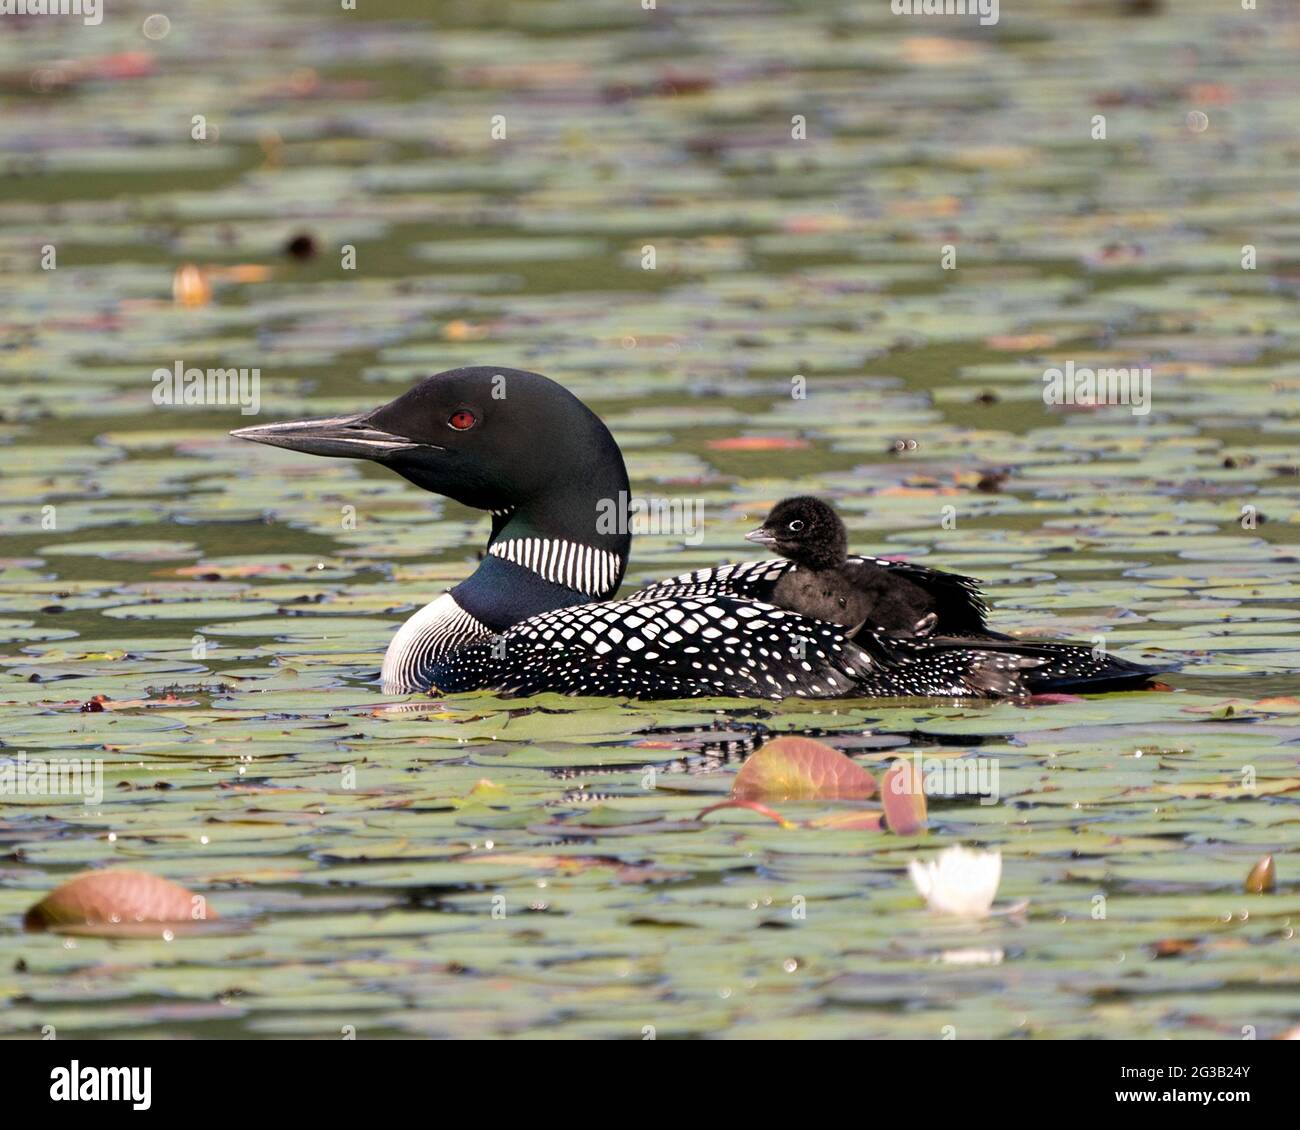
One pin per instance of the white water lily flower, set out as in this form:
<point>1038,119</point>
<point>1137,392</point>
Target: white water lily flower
<point>959,882</point>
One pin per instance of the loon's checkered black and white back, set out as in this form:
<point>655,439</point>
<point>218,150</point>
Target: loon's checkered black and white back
<point>957,612</point>
<point>692,647</point>
<point>958,604</point>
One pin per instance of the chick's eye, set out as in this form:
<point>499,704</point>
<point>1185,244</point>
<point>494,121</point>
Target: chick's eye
<point>797,525</point>
<point>462,419</point>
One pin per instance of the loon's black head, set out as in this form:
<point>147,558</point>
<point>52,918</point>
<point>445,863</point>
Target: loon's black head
<point>806,530</point>
<point>503,440</point>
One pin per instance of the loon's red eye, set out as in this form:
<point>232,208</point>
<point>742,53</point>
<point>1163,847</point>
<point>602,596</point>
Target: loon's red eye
<point>462,419</point>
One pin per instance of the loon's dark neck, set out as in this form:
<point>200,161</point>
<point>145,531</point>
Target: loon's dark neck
<point>569,546</point>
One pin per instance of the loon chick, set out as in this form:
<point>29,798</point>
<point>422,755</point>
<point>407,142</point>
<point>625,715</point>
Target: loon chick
<point>537,615</point>
<point>825,584</point>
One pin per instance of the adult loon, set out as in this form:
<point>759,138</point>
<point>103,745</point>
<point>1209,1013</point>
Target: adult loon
<point>537,613</point>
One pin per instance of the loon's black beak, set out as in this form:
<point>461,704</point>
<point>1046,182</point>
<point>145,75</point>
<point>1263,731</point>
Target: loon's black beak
<point>761,536</point>
<point>352,437</point>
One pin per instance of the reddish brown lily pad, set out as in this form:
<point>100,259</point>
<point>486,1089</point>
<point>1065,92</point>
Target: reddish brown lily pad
<point>1262,877</point>
<point>117,903</point>
<point>790,768</point>
<point>758,443</point>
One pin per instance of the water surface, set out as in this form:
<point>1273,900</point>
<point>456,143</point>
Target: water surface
<point>231,603</point>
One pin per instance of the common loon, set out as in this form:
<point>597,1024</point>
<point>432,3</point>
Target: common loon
<point>537,613</point>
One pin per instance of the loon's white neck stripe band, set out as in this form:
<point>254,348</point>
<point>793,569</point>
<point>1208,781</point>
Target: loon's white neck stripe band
<point>583,568</point>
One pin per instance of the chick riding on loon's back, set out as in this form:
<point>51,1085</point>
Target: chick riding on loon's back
<point>824,583</point>
<point>537,614</point>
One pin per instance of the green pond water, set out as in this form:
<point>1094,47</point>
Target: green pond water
<point>231,603</point>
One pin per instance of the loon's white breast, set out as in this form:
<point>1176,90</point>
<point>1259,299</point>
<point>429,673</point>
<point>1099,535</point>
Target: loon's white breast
<point>436,630</point>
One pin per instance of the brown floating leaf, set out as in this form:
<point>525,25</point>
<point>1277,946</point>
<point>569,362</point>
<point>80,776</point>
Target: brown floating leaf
<point>757,443</point>
<point>190,286</point>
<point>116,902</point>
<point>237,273</point>
<point>1262,877</point>
<point>461,330</point>
<point>791,768</point>
<point>903,793</point>
<point>1020,343</point>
